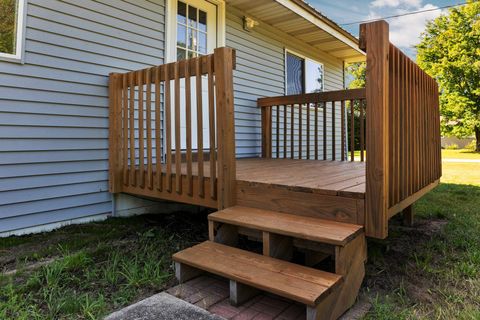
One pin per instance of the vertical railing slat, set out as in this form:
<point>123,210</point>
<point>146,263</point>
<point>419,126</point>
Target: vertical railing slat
<point>362,130</point>
<point>211,119</point>
<point>300,125</point>
<point>333,132</point>
<point>316,130</point>
<point>278,130</point>
<point>352,131</point>
<point>158,140</point>
<point>125,101</point>
<point>324,104</point>
<point>199,93</point>
<point>133,175</point>
<point>308,130</point>
<point>149,129</point>
<point>141,129</point>
<point>188,123</point>
<point>285,134</point>
<point>342,125</point>
<point>292,130</point>
<point>178,132</point>
<point>168,128</point>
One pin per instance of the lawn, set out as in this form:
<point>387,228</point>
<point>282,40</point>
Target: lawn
<point>429,271</point>
<point>432,271</point>
<point>86,271</point>
<point>460,154</point>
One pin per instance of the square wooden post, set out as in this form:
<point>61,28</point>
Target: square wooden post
<point>115,133</point>
<point>226,181</point>
<point>374,39</point>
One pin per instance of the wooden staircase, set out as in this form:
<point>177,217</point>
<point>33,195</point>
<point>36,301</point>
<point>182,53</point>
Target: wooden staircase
<point>326,294</point>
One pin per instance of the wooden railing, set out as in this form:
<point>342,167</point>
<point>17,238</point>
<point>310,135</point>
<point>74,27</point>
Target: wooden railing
<point>144,156</point>
<point>309,126</point>
<point>403,130</point>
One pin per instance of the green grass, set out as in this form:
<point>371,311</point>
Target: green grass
<point>432,271</point>
<point>460,154</point>
<point>96,268</point>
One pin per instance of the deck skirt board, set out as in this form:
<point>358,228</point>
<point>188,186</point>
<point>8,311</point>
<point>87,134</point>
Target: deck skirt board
<point>307,228</point>
<point>299,283</point>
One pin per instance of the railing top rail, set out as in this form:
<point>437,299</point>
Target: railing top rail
<point>167,71</point>
<point>327,96</point>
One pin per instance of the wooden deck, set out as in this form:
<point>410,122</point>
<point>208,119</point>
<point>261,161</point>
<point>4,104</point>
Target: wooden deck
<point>327,189</point>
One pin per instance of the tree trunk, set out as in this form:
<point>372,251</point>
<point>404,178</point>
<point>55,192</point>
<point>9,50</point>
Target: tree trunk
<point>477,137</point>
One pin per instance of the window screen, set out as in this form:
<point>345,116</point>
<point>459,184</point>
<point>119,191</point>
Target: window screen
<point>295,76</point>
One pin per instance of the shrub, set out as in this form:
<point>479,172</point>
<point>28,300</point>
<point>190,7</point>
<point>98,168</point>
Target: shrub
<point>452,146</point>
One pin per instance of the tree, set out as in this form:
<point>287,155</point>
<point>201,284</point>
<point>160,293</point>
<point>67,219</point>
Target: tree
<point>357,73</point>
<point>356,78</point>
<point>449,51</point>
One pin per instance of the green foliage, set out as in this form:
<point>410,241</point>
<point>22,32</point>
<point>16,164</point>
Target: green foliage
<point>450,52</point>
<point>92,269</point>
<point>7,26</point>
<point>471,146</point>
<point>452,146</point>
<point>357,72</point>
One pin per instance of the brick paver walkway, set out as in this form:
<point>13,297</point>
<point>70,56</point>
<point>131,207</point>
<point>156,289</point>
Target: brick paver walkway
<point>212,293</point>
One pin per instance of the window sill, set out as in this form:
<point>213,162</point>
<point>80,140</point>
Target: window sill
<point>11,58</point>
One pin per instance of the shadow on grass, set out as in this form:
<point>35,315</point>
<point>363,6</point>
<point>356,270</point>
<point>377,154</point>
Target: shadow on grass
<point>430,270</point>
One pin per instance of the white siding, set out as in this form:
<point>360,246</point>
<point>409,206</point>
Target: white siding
<point>54,108</point>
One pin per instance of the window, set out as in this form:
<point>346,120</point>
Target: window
<point>191,31</point>
<point>12,22</point>
<point>303,75</point>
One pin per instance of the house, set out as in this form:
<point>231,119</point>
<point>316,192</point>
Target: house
<point>54,89</point>
<point>234,105</point>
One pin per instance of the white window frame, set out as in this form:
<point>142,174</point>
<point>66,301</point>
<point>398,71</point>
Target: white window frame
<point>304,57</point>
<point>171,27</point>
<point>21,21</point>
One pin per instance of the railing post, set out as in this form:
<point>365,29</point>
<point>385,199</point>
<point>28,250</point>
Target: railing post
<point>226,180</point>
<point>267,132</point>
<point>374,39</point>
<point>115,133</point>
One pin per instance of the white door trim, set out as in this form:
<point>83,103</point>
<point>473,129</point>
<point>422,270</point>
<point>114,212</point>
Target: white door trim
<point>171,27</point>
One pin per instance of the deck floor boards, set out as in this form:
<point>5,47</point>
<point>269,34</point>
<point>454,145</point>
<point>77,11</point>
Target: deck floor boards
<point>316,176</point>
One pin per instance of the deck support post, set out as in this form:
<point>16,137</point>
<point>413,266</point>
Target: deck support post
<point>277,246</point>
<point>374,39</point>
<point>115,133</point>
<point>184,272</point>
<point>223,233</point>
<point>241,293</point>
<point>408,215</point>
<point>226,181</point>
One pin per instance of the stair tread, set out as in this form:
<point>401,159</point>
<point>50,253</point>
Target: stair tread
<point>309,228</point>
<point>286,279</point>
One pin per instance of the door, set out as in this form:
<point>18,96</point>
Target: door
<point>195,35</point>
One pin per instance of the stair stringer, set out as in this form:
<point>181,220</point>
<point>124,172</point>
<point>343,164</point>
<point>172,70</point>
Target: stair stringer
<point>350,263</point>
